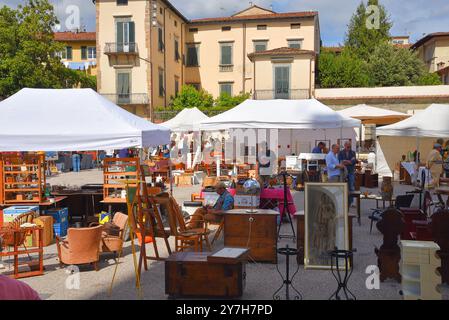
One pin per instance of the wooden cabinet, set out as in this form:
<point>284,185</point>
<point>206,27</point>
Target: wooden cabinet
<point>23,179</point>
<point>116,173</point>
<point>419,264</point>
<point>256,231</point>
<point>190,274</point>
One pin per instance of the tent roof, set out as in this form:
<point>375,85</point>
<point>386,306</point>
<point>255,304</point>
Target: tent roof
<point>72,120</point>
<point>373,115</point>
<point>279,114</point>
<point>187,120</point>
<point>432,122</point>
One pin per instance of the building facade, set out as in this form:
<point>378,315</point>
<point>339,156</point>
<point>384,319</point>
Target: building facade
<point>433,49</point>
<point>80,52</point>
<point>147,50</point>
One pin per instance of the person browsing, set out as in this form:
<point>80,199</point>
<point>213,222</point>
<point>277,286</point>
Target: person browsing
<point>348,158</point>
<point>333,164</point>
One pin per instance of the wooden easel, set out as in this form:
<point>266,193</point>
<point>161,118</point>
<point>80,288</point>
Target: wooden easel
<point>148,213</point>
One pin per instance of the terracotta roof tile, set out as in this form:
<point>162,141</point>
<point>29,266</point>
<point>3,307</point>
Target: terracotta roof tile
<point>257,17</point>
<point>73,36</point>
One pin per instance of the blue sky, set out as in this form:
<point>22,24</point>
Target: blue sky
<point>411,17</point>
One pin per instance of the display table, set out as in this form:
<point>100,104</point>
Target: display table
<point>81,203</point>
<point>255,231</point>
<point>278,195</point>
<point>300,234</point>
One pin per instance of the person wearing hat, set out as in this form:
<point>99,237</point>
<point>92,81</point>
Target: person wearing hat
<point>435,164</point>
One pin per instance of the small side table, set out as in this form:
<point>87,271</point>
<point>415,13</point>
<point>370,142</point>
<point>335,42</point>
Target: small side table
<point>341,275</point>
<point>287,281</point>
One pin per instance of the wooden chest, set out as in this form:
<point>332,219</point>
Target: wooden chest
<point>190,274</point>
<point>255,231</point>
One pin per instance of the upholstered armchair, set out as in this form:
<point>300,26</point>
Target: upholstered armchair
<point>114,243</point>
<point>81,246</point>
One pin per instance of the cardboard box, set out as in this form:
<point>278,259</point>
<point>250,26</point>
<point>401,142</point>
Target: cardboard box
<point>9,214</point>
<point>45,222</point>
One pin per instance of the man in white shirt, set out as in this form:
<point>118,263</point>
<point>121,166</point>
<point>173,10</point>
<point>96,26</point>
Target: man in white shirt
<point>333,165</point>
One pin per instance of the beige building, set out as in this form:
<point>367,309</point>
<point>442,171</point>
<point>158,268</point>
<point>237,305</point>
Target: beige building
<point>147,50</point>
<point>80,52</point>
<point>433,49</point>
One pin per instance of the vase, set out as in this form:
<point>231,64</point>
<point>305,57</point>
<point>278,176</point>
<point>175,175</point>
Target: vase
<point>386,189</point>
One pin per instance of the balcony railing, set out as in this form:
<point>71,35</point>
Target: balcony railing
<point>226,68</point>
<point>127,98</point>
<point>121,48</point>
<point>293,94</point>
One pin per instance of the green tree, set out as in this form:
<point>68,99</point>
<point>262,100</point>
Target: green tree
<point>342,71</point>
<point>28,51</point>
<point>363,35</point>
<point>189,97</point>
<point>395,66</point>
<point>226,101</point>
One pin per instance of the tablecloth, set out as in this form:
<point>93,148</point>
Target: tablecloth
<point>278,194</point>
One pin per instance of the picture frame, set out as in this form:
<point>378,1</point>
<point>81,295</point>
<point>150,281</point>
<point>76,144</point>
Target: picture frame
<point>326,222</point>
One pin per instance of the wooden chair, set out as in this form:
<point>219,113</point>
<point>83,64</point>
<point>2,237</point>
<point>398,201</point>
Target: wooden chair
<point>10,239</point>
<point>440,234</point>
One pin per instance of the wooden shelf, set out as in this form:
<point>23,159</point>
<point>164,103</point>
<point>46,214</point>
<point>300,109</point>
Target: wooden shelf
<point>115,172</point>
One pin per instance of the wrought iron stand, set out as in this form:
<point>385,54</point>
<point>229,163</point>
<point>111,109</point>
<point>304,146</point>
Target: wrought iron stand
<point>285,211</point>
<point>287,281</point>
<point>342,273</point>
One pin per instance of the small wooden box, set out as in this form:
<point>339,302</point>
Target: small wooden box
<point>190,274</point>
<point>184,180</point>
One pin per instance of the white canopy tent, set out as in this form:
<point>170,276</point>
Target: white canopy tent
<point>373,115</point>
<point>301,124</point>
<point>418,132</point>
<point>279,114</point>
<point>72,120</point>
<point>187,120</point>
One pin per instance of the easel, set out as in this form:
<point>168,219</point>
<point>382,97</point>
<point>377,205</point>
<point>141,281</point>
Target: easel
<point>285,210</point>
<point>148,213</point>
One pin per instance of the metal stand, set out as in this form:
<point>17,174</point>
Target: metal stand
<point>285,210</point>
<point>287,281</point>
<point>337,271</point>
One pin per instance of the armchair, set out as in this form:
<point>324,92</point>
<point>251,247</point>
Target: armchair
<point>82,246</point>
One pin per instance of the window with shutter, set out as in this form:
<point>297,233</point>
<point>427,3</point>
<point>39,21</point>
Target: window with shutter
<point>161,83</point>
<point>123,87</point>
<point>83,53</point>
<point>260,46</point>
<point>226,88</point>
<point>192,55</point>
<point>69,53</point>
<point>177,56</point>
<point>160,40</point>
<point>295,43</point>
<point>226,54</point>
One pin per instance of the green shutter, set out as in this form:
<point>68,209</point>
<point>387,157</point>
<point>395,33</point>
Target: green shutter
<point>132,32</point>
<point>83,53</point>
<point>226,55</point>
<point>119,33</point>
<point>69,53</point>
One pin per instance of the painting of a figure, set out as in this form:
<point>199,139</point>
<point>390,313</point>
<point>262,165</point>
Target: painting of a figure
<point>326,211</point>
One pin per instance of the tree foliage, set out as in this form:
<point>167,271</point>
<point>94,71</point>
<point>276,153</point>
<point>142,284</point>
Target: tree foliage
<point>395,66</point>
<point>189,97</point>
<point>28,51</point>
<point>227,101</point>
<point>342,71</point>
<point>363,35</point>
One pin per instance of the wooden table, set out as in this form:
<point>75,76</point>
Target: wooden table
<point>47,203</point>
<point>255,231</point>
<point>300,234</point>
<point>378,198</point>
<point>20,252</point>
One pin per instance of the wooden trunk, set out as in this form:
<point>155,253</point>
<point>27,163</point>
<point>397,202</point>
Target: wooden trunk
<point>260,235</point>
<point>371,180</point>
<point>189,274</point>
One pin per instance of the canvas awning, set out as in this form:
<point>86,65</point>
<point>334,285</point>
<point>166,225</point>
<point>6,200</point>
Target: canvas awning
<point>433,122</point>
<point>279,114</point>
<point>72,120</point>
<point>373,115</point>
<point>187,120</point>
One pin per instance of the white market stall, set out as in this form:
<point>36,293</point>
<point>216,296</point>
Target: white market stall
<point>418,132</point>
<point>371,116</point>
<point>185,127</point>
<point>301,124</point>
<point>72,120</point>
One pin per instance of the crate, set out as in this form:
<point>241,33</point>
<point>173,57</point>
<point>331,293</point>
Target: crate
<point>9,214</point>
<point>60,229</point>
<point>60,215</point>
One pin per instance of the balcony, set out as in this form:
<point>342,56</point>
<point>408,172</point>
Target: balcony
<point>226,68</point>
<point>116,48</point>
<point>293,94</point>
<point>127,99</point>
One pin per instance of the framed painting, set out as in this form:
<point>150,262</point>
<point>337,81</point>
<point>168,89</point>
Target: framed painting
<point>326,222</point>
